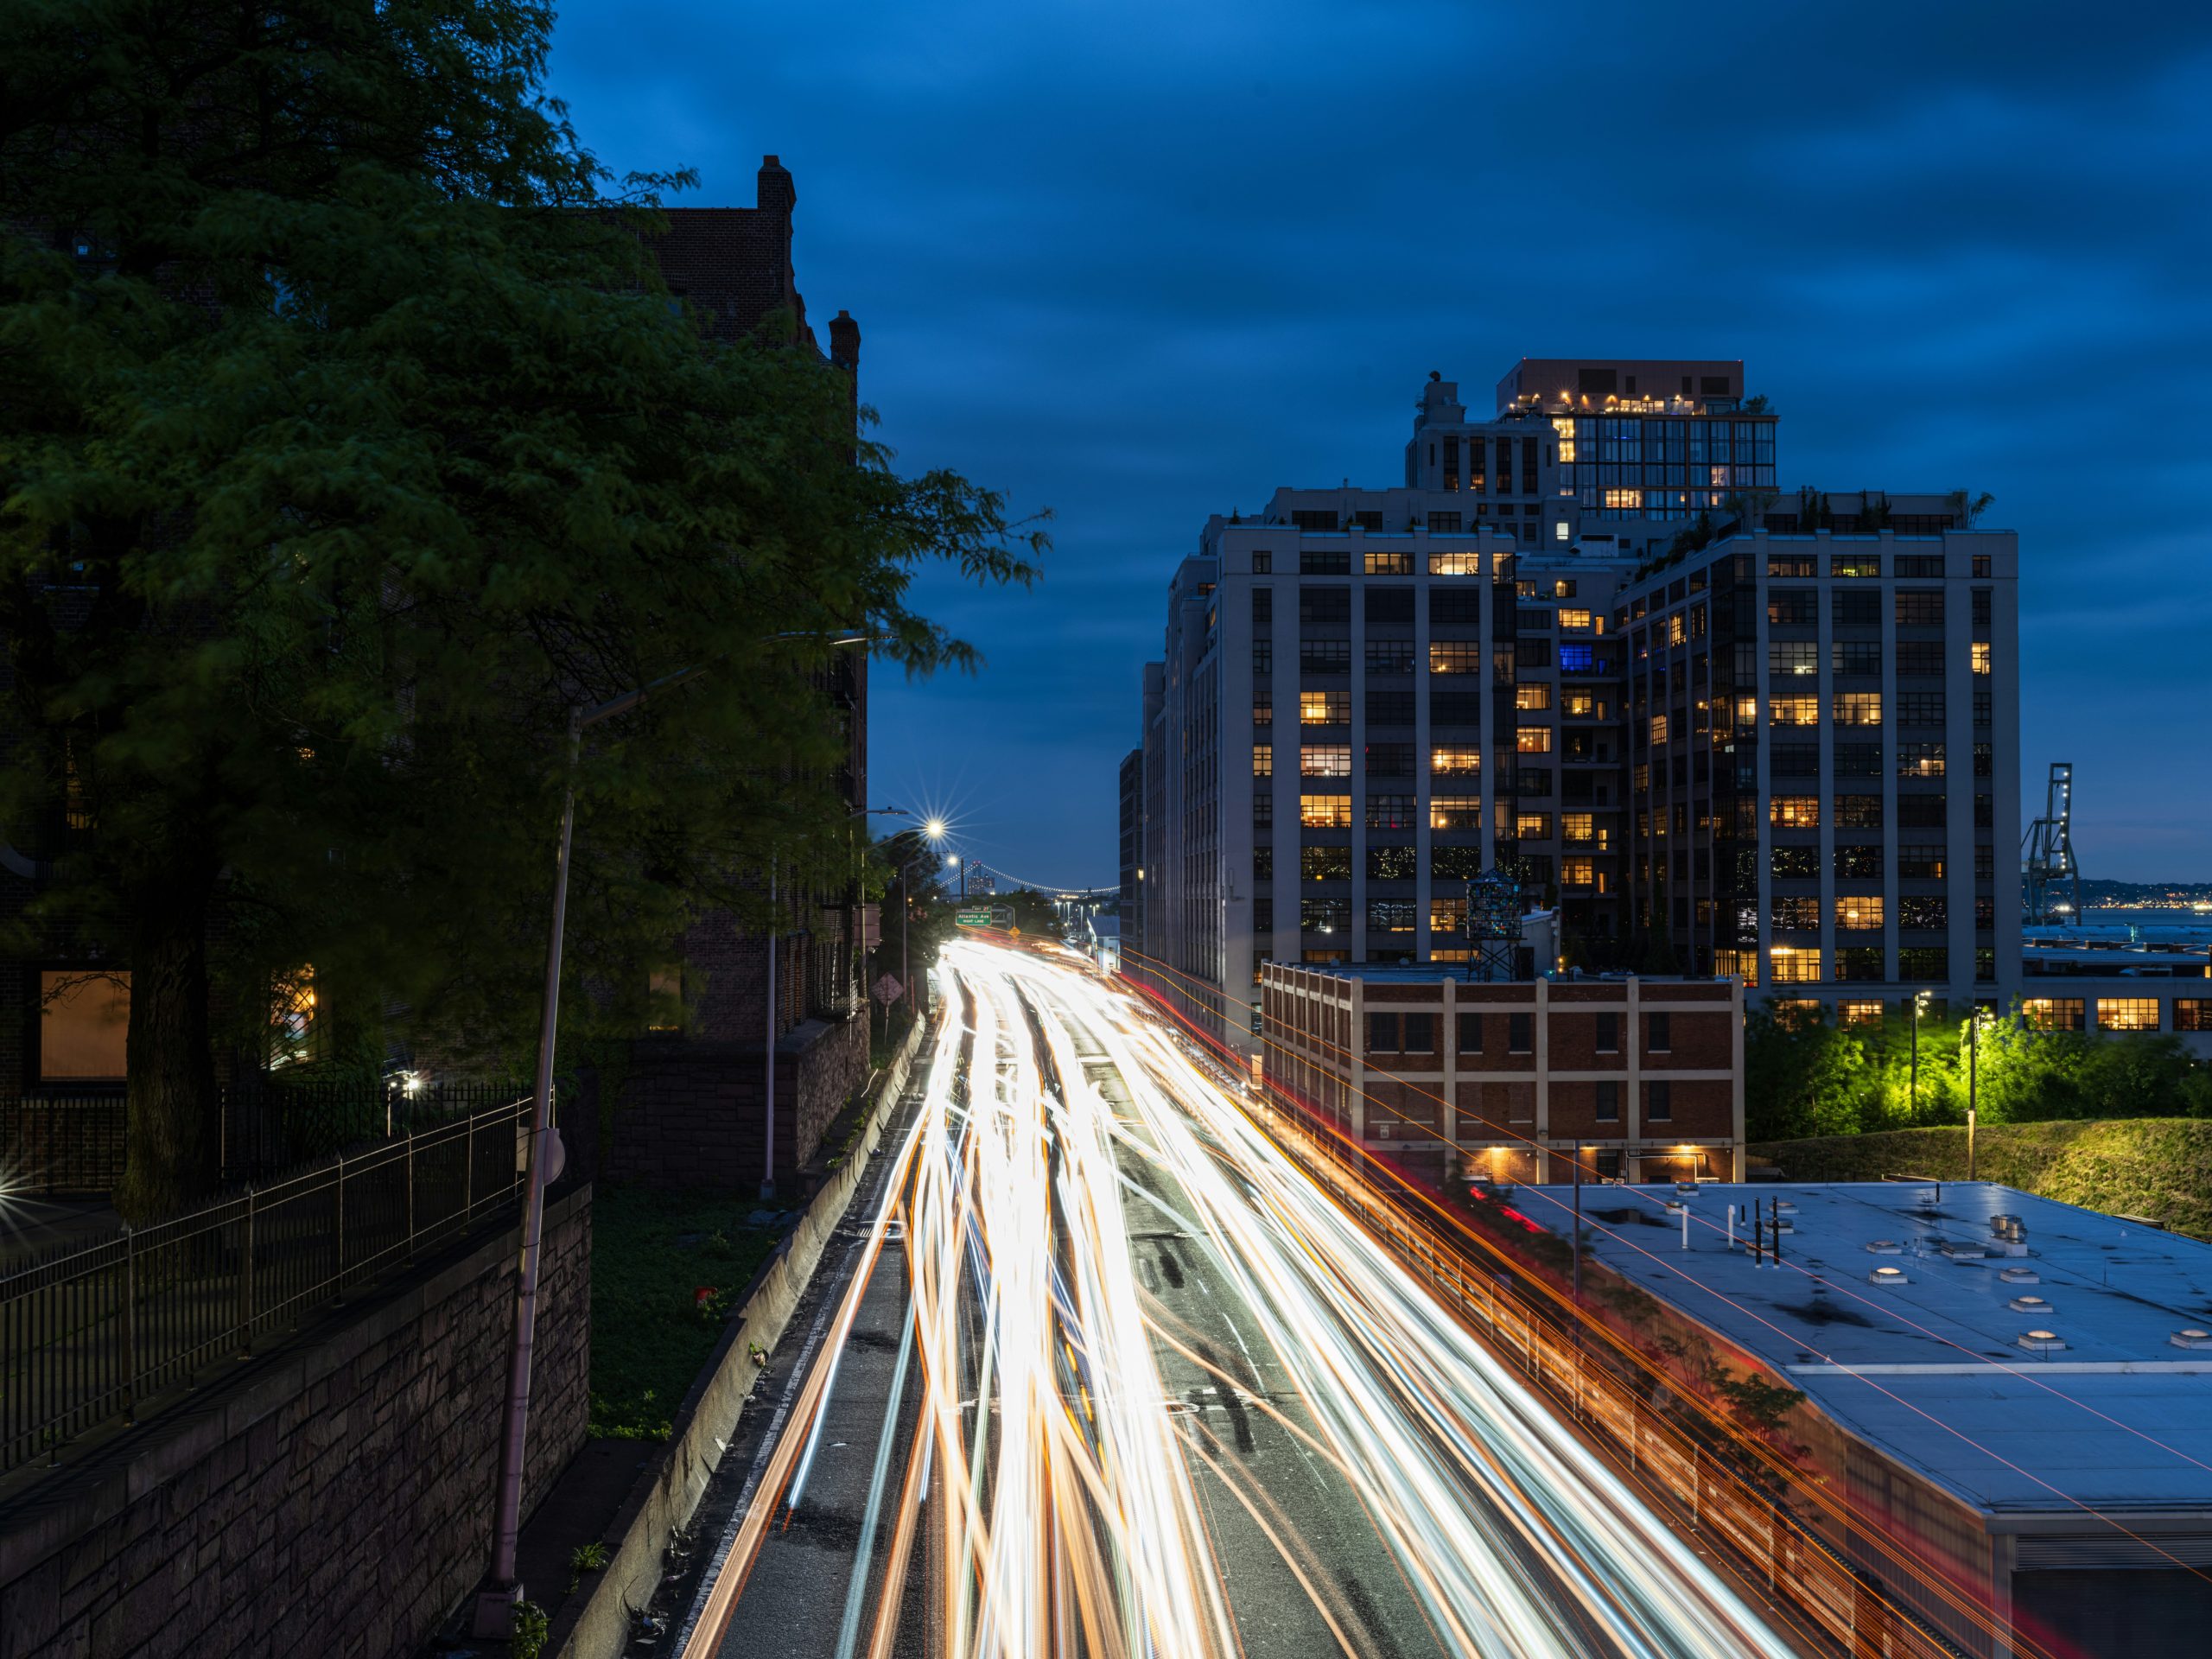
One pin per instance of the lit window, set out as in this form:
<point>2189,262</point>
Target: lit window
<point>1577,621</point>
<point>1455,564</point>
<point>1559,531</point>
<point>1658,728</point>
<point>1794,711</point>
<point>1579,828</point>
<point>1263,711</point>
<point>2127,1014</point>
<point>1579,705</point>
<point>1325,811</point>
<point>1578,872</point>
<point>1920,760</point>
<point>1627,500</point>
<point>1981,657</point>
<point>83,1018</point>
<point>1454,657</point>
<point>1860,1013</point>
<point>1447,915</point>
<point>1677,630</point>
<point>1383,561</point>
<point>1793,656</point>
<point>1455,812</point>
<point>2193,1013</point>
<point>1533,697</point>
<point>2054,1013</point>
<point>1263,760</point>
<point>294,1028</point>
<point>1858,911</point>
<point>1859,708</point>
<point>1794,967</point>
<point>1796,812</point>
<point>1534,740</point>
<point>1324,760</point>
<point>1455,762</point>
<point>1532,826</point>
<point>1325,707</point>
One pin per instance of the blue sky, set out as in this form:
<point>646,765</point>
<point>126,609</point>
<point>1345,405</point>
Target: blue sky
<point>1137,263</point>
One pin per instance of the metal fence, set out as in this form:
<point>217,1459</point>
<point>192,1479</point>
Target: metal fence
<point>88,1334</point>
<point>56,1146</point>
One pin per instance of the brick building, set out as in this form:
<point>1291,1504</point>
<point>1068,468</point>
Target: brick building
<point>1508,1076</point>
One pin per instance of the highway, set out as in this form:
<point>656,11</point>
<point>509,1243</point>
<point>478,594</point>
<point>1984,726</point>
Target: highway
<point>1112,1377</point>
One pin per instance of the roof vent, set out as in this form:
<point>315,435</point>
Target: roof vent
<point>2191,1337</point>
<point>1960,1249</point>
<point>2042,1341</point>
<point>2020,1276</point>
<point>1885,1247</point>
<point>2030,1305</point>
<point>1784,1207</point>
<point>1888,1276</point>
<point>1686,1189</point>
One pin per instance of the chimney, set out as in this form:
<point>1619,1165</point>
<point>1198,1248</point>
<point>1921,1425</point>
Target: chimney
<point>776,192</point>
<point>845,342</point>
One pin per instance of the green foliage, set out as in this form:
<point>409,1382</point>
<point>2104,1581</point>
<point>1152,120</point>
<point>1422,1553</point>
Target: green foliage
<point>588,1558</point>
<point>531,1627</point>
<point>1757,1404</point>
<point>1807,1076</point>
<point>2160,1167</point>
<point>347,440</point>
<point>651,1253</point>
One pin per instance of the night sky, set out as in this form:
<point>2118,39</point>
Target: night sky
<point>1138,262</point>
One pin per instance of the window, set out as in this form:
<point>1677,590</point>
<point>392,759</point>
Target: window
<point>1325,811</point>
<point>1392,864</point>
<point>1263,810</point>
<point>1858,1014</point>
<point>1532,826</point>
<point>1456,864</point>
<point>1447,916</point>
<point>1794,863</point>
<point>1521,1032</point>
<point>1389,811</point>
<point>1659,730</point>
<point>1920,760</point>
<point>1263,563</point>
<point>1858,812</point>
<point>1607,1098</point>
<point>1854,564</point>
<point>1420,1033</point>
<point>1455,812</point>
<point>1858,961</point>
<point>1532,698</point>
<point>1788,566</point>
<point>1857,861</point>
<point>1383,561</point>
<point>1924,961</point>
<point>1981,657</point>
<point>1263,708</point>
<point>1325,707</point>
<point>1455,708</point>
<point>1920,657</point>
<point>1383,1034</point>
<point>1859,608</point>
<point>1658,1100</point>
<point>1795,811</point>
<point>1471,1034</point>
<point>1455,762</point>
<point>1325,863</point>
<point>1455,564</point>
<point>1454,657</point>
<point>1263,658</point>
<point>1325,656</point>
<point>1858,759</point>
<point>1920,863</point>
<point>1608,1039</point>
<point>1859,708</point>
<point>1795,913</point>
<point>1324,760</point>
<point>1793,656</point>
<point>1921,811</point>
<point>1659,1029</point>
<point>1263,864</point>
<point>2127,1014</point>
<point>1790,608</point>
<point>1920,707</point>
<point>2193,1013</point>
<point>1459,607</point>
<point>1793,711</point>
<point>1856,656</point>
<point>1577,659</point>
<point>1795,966</point>
<point>1920,607</point>
<point>1263,760</point>
<point>1578,621</point>
<point>1388,656</point>
<point>1446,523</point>
<point>83,1019</point>
<point>1579,873</point>
<point>1324,560</point>
<point>1858,912</point>
<point>1924,910</point>
<point>1390,760</point>
<point>1389,915</point>
<point>2054,1013</point>
<point>1534,740</point>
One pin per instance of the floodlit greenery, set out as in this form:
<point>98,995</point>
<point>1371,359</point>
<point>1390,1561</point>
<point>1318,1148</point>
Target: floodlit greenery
<point>2159,1167</point>
<point>1807,1074</point>
<point>348,439</point>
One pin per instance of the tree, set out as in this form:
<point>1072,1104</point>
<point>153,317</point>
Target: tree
<point>347,440</point>
<point>1803,1074</point>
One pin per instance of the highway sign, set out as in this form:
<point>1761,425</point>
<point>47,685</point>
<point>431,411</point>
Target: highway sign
<point>972,917</point>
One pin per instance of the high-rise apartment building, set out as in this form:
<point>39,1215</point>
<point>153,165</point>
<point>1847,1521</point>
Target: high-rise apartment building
<point>1368,697</point>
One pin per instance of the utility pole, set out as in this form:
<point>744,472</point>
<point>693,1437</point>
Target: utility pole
<point>1974,1067</point>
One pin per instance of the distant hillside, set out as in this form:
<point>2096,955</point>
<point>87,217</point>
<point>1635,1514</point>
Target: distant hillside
<point>2136,894</point>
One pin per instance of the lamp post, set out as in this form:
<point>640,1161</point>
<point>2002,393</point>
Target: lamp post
<point>1919,1006</point>
<point>495,1603</point>
<point>1974,1067</point>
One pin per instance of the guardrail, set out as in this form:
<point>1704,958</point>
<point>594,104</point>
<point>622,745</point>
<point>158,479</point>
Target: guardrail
<point>90,1333</point>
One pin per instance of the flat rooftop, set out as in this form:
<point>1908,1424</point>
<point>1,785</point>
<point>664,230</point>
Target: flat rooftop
<point>1931,1369</point>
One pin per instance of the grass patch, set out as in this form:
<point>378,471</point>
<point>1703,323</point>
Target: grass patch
<point>2156,1166</point>
<point>651,1253</point>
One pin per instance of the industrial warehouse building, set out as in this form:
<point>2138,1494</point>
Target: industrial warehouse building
<point>2012,1393</point>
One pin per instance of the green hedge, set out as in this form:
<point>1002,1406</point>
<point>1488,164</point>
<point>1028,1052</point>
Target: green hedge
<point>2160,1167</point>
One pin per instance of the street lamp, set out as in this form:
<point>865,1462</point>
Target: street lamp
<point>1919,1006</point>
<point>495,1603</point>
<point>1974,1066</point>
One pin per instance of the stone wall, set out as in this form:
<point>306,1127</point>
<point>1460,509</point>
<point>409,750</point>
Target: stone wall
<point>687,1114</point>
<point>333,1497</point>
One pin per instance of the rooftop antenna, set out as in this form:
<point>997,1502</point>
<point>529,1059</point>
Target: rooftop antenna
<point>2051,885</point>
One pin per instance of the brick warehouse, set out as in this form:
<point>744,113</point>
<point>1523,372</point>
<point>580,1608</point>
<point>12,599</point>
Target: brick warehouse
<point>1645,1074</point>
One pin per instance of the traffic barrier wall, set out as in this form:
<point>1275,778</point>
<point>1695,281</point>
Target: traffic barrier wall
<point>599,1624</point>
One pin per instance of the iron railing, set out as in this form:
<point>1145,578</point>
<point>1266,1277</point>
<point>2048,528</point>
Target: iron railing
<point>56,1146</point>
<point>91,1332</point>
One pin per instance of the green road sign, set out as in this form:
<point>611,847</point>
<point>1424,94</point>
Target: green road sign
<point>973,917</point>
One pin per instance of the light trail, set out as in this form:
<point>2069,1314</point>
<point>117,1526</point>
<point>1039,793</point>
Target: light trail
<point>1078,1503</point>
